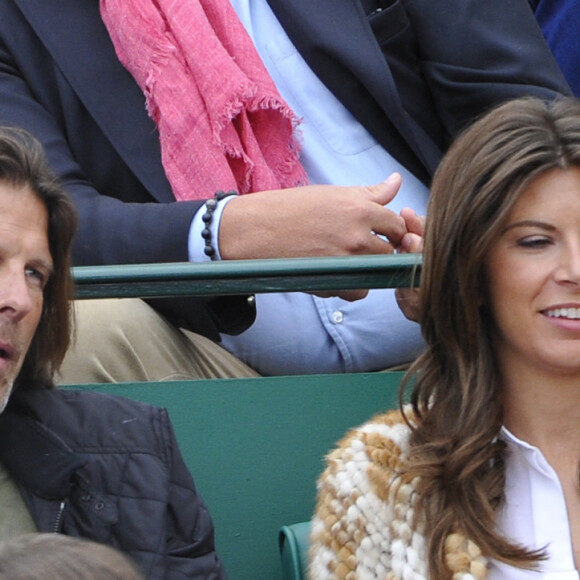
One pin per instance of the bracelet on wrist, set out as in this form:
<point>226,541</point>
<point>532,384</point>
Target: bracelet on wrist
<point>207,235</point>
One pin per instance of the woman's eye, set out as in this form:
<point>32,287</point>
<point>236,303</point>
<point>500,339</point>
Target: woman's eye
<point>534,242</point>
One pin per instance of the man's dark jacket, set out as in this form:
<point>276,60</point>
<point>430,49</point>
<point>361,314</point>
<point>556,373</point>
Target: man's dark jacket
<point>109,469</point>
<point>412,71</point>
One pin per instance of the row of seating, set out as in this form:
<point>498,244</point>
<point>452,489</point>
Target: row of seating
<point>256,446</point>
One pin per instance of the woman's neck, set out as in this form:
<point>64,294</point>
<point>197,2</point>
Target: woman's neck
<point>543,409</point>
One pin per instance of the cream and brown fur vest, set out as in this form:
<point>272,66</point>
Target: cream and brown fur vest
<point>364,526</point>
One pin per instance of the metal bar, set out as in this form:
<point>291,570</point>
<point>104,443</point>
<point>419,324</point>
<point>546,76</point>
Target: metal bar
<point>246,276</point>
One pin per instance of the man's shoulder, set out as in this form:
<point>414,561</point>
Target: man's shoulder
<point>82,398</point>
<point>83,417</point>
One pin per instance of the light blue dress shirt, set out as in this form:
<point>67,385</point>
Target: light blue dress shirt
<point>296,332</point>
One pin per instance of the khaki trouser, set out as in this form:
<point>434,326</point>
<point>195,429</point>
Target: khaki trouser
<point>125,340</point>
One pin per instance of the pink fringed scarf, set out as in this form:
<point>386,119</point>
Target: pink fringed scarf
<point>222,123</point>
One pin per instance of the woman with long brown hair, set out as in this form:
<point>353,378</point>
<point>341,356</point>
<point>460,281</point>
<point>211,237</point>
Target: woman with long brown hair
<point>478,475</point>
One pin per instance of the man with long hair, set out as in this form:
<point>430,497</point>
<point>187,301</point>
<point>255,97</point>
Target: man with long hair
<point>74,462</point>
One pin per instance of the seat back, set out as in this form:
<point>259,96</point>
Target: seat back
<point>293,542</point>
<point>256,448</point>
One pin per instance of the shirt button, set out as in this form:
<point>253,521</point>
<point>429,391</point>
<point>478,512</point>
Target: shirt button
<point>337,317</point>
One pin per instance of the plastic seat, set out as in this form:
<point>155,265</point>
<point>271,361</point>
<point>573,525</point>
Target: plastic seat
<point>293,541</point>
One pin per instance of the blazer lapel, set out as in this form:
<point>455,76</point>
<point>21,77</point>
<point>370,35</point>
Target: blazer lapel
<point>107,90</point>
<point>317,28</point>
<point>339,28</point>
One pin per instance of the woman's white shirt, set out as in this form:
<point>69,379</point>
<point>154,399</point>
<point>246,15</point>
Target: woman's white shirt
<point>534,514</point>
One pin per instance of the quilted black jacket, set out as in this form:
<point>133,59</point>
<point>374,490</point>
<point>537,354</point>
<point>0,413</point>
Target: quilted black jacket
<point>109,469</point>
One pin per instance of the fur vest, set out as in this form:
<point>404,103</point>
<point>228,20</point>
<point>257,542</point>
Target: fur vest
<point>364,527</point>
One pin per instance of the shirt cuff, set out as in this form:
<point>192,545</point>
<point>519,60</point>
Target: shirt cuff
<point>196,244</point>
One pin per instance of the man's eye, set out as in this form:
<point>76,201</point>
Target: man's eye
<point>36,277</point>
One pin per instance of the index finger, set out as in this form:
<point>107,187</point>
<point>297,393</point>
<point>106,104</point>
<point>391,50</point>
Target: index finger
<point>387,223</point>
<point>414,222</point>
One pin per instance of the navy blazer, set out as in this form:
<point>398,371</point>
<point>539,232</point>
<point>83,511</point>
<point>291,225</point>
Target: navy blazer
<point>411,71</point>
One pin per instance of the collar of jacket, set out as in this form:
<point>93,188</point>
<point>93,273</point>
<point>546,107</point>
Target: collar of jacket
<point>351,64</point>
<point>33,455</point>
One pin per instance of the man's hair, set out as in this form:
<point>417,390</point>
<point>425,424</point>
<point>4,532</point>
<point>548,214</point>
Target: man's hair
<point>23,165</point>
<point>457,394</point>
<point>55,556</point>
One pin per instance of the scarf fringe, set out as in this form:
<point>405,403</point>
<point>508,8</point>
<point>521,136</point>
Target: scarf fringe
<point>222,123</point>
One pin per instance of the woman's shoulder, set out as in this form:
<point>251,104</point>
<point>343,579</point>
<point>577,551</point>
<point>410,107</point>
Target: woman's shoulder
<point>368,457</point>
<point>363,518</point>
<point>382,441</point>
<point>365,464</point>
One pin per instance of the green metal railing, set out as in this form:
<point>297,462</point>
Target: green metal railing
<point>247,276</point>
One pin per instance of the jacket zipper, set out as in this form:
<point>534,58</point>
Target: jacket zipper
<point>59,515</point>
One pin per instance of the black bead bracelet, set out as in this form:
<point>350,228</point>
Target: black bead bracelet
<point>207,218</point>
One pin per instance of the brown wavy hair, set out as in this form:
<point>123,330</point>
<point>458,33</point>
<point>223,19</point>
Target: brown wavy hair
<point>456,391</point>
<point>23,165</point>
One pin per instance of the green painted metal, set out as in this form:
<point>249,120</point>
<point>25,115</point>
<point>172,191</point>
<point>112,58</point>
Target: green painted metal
<point>247,276</point>
<point>256,447</point>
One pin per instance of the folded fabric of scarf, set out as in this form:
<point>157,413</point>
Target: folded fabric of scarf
<point>222,123</point>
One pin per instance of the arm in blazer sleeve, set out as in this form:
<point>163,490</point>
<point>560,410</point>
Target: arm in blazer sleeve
<point>120,219</point>
<point>475,54</point>
<point>124,218</point>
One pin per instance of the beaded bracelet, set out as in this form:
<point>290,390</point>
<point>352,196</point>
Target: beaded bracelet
<point>207,218</point>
